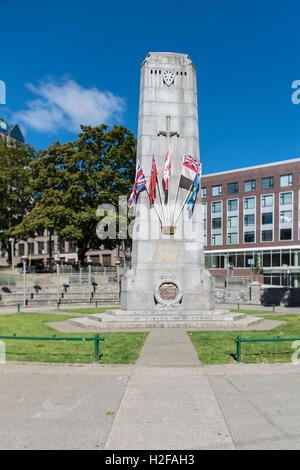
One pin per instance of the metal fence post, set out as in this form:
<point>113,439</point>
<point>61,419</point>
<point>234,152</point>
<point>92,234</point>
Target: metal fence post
<point>238,348</point>
<point>96,348</point>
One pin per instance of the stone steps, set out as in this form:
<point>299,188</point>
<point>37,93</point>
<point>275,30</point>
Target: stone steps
<point>124,320</point>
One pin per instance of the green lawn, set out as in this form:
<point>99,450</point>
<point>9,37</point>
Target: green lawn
<point>219,347</point>
<point>117,348</point>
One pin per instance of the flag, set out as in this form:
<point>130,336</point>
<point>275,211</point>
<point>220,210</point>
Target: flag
<point>189,170</point>
<point>166,172</point>
<point>153,179</point>
<point>192,199</point>
<point>139,184</point>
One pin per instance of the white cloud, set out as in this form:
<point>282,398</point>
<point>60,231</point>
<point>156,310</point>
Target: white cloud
<point>66,105</point>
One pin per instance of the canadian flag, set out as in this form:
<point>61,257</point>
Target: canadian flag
<point>166,172</point>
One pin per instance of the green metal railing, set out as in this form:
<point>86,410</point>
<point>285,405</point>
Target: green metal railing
<point>240,340</point>
<point>239,303</point>
<point>95,338</point>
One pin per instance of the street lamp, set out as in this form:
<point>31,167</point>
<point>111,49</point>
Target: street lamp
<point>12,242</point>
<point>24,260</point>
<point>57,261</point>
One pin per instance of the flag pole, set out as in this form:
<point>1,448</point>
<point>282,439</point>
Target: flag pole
<point>162,207</point>
<point>177,191</point>
<point>154,206</point>
<point>184,203</point>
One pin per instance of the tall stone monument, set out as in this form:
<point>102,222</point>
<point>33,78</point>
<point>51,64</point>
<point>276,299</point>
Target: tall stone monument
<point>168,272</point>
<point>167,285</point>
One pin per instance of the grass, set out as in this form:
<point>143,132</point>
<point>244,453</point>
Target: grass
<point>117,348</point>
<point>219,347</point>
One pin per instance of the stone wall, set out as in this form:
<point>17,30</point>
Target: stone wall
<point>232,296</point>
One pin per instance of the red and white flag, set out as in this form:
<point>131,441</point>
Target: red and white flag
<point>167,171</point>
<point>153,179</point>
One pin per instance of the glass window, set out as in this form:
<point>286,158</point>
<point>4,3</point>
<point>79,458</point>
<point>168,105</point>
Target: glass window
<point>216,190</point>
<point>249,203</point>
<point>203,192</point>
<point>61,246</point>
<point>285,198</point>
<point>285,217</point>
<point>21,249</point>
<point>232,238</point>
<point>41,248</point>
<point>249,219</point>
<point>285,234</point>
<point>216,222</point>
<point>240,260</point>
<point>266,260</point>
<point>208,261</point>
<point>249,186</point>
<point>267,201</point>
<point>50,246</point>
<point>267,218</point>
<point>216,207</point>
<point>233,188</point>
<point>249,237</point>
<point>267,183</point>
<point>286,180</point>
<point>275,259</point>
<point>285,258</point>
<point>232,221</point>
<point>267,235</point>
<point>72,247</point>
<point>232,205</point>
<point>31,248</point>
<point>216,239</point>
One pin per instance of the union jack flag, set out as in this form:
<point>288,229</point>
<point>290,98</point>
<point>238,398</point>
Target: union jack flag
<point>191,163</point>
<point>190,168</point>
<point>139,184</point>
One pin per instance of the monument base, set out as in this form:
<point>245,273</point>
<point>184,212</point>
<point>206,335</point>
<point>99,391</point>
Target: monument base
<point>121,319</point>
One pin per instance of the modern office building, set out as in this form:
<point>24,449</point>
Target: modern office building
<point>251,218</point>
<point>12,135</point>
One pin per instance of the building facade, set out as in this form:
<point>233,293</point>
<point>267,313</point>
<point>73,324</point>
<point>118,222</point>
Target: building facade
<point>251,219</point>
<point>41,248</point>
<point>12,135</point>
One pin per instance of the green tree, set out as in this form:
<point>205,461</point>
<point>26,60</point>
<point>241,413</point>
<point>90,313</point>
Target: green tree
<point>70,181</point>
<point>14,179</point>
<point>257,267</point>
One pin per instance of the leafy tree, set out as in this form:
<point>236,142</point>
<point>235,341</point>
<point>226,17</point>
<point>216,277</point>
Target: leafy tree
<point>70,181</point>
<point>14,179</point>
<point>257,267</point>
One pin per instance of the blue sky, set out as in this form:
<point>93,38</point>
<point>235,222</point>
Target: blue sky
<point>67,61</point>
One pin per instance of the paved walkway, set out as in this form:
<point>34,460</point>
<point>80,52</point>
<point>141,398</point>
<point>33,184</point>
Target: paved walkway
<point>167,400</point>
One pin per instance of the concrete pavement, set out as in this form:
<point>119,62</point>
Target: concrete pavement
<point>167,400</point>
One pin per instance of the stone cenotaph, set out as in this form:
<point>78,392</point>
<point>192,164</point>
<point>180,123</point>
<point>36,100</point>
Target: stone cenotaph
<point>167,285</point>
<point>168,272</point>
